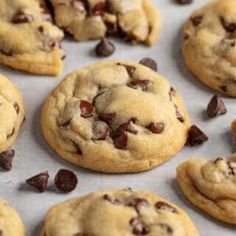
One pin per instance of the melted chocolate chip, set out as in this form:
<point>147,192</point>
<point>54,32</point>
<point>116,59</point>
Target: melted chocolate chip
<point>107,117</point>
<point>39,181</point>
<point>138,227</point>
<point>120,139</point>
<point>138,83</point>
<point>100,131</point>
<point>216,107</point>
<point>127,126</point>
<point>179,115</point>
<point>149,62</point>
<point>184,2</point>
<point>104,48</point>
<point>65,180</point>
<point>196,136</point>
<point>229,27</point>
<point>86,109</point>
<point>130,69</point>
<point>138,203</point>
<point>165,207</point>
<point>112,199</point>
<point>6,159</point>
<point>22,17</point>
<point>196,20</point>
<point>17,108</point>
<point>156,128</point>
<point>99,9</point>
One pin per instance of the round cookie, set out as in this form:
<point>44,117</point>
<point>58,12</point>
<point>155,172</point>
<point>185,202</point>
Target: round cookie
<point>115,116</point>
<point>209,45</point>
<point>12,113</point>
<point>118,212</point>
<point>10,222</point>
<point>137,21</point>
<point>211,186</point>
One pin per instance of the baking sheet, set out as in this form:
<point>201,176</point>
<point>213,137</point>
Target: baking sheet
<point>33,155</point>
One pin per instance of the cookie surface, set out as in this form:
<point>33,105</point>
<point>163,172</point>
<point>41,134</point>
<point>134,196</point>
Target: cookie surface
<point>10,222</point>
<point>12,113</point>
<point>211,186</point>
<point>135,20</point>
<point>115,116</point>
<point>27,41</point>
<point>117,212</point>
<point>209,45</point>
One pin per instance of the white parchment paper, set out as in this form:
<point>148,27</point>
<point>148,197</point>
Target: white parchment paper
<point>33,154</point>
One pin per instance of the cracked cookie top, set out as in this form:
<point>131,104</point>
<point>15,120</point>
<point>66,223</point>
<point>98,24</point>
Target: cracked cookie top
<point>115,117</point>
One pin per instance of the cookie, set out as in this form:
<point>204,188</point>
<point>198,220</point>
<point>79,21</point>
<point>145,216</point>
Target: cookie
<point>12,113</point>
<point>209,45</point>
<point>10,222</point>
<point>117,212</point>
<point>210,185</point>
<point>137,21</point>
<point>115,116</point>
<point>28,42</point>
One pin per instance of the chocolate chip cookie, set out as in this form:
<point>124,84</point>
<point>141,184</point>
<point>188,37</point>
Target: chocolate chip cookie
<point>12,113</point>
<point>211,186</point>
<point>209,45</point>
<point>116,213</point>
<point>137,21</point>
<point>10,222</point>
<point>115,116</point>
<point>28,41</point>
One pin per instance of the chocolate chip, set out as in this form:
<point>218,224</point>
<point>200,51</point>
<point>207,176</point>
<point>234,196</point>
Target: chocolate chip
<point>149,62</point>
<point>127,126</point>
<point>179,115</point>
<point>130,69</point>
<point>172,93</point>
<point>216,107</point>
<point>138,227</point>
<point>120,139</point>
<point>156,128</point>
<point>65,180</point>
<point>112,28</point>
<point>165,207</point>
<point>17,108</point>
<point>138,203</point>
<point>232,167</point>
<point>196,136</point>
<point>224,88</point>
<point>138,83</point>
<point>39,181</point>
<point>105,48</point>
<point>112,199</point>
<point>107,117</point>
<point>41,29</point>
<point>6,159</point>
<point>196,20</point>
<point>11,134</point>
<point>22,17</point>
<point>230,27</point>
<point>166,228</point>
<point>100,130</point>
<point>99,9</point>
<point>184,2</point>
<point>86,109</point>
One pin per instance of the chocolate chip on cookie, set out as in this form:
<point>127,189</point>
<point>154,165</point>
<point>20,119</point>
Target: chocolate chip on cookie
<point>39,181</point>
<point>6,159</point>
<point>107,117</point>
<point>196,20</point>
<point>138,203</point>
<point>167,228</point>
<point>112,199</point>
<point>165,206</point>
<point>99,9</point>
<point>105,48</point>
<point>86,108</point>
<point>216,107</point>
<point>184,2</point>
<point>100,130</point>
<point>120,139</point>
<point>128,126</point>
<point>139,228</point>
<point>138,83</point>
<point>228,26</point>
<point>179,115</point>
<point>196,136</point>
<point>130,69</point>
<point>65,180</point>
<point>149,62</point>
<point>156,127</point>
<point>22,17</point>
<point>17,108</point>
<point>232,167</point>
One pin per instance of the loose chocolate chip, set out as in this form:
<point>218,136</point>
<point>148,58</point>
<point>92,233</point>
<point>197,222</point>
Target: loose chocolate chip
<point>11,134</point>
<point>104,48</point>
<point>22,17</point>
<point>130,69</point>
<point>138,227</point>
<point>149,62</point>
<point>179,115</point>
<point>17,108</point>
<point>196,136</point>
<point>165,206</point>
<point>196,20</point>
<point>107,117</point>
<point>216,107</point>
<point>111,199</point>
<point>99,9</point>
<point>138,83</point>
<point>65,180</point>
<point>138,203</point>
<point>100,130</point>
<point>127,126</point>
<point>39,181</point>
<point>156,128</point>
<point>230,27</point>
<point>6,159</point>
<point>86,109</point>
<point>184,2</point>
<point>120,139</point>
<point>167,228</point>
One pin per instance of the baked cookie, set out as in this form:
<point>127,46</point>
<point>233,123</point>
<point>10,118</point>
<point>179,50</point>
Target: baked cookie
<point>12,113</point>
<point>115,116</point>
<point>28,42</point>
<point>117,212</point>
<point>209,45</point>
<point>211,186</point>
<point>137,21</point>
<point>10,222</point>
